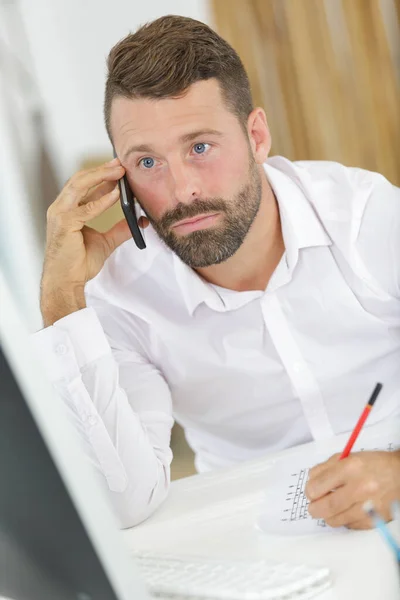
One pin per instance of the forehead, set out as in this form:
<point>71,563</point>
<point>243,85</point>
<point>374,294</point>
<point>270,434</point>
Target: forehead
<point>147,119</point>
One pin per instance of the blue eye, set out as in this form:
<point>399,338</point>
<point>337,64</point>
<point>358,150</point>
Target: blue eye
<point>147,162</point>
<point>200,148</point>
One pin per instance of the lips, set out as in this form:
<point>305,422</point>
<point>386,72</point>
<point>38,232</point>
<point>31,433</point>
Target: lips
<point>193,219</point>
<point>198,222</point>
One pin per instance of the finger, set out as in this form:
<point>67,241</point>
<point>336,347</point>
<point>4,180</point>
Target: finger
<point>322,466</point>
<point>331,478</point>
<point>118,234</point>
<point>317,470</point>
<point>365,523</point>
<point>79,174</point>
<point>98,191</point>
<point>333,503</point>
<point>93,208</point>
<point>353,514</point>
<point>82,182</point>
<point>143,222</point>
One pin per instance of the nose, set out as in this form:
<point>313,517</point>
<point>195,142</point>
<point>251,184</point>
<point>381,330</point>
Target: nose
<point>184,183</point>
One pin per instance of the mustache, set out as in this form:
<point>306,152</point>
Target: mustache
<point>188,211</point>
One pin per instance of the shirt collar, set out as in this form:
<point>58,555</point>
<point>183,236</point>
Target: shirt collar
<point>195,289</point>
<point>301,228</point>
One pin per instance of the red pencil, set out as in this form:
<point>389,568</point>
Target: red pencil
<point>361,421</point>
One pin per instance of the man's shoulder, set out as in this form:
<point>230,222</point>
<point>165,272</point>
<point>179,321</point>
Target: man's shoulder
<point>337,174</point>
<point>326,172</point>
<point>330,186</point>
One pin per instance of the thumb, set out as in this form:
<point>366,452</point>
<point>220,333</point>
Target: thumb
<point>118,234</point>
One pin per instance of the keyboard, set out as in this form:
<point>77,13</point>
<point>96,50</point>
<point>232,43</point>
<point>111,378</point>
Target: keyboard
<point>196,578</point>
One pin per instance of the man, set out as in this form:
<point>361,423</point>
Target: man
<point>264,309</point>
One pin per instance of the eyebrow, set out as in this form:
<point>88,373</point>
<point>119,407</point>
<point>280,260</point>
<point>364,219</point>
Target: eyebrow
<point>187,137</point>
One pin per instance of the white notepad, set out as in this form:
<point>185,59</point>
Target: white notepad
<point>285,510</point>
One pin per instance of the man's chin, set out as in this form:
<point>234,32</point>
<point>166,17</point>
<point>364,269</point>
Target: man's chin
<point>201,249</point>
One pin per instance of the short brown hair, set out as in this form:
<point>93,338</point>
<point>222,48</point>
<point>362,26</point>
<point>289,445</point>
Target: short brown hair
<point>164,57</point>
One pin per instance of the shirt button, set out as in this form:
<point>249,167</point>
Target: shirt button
<point>92,420</point>
<point>298,367</point>
<point>61,349</point>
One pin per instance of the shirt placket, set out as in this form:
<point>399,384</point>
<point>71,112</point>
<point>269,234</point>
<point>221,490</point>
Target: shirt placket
<point>301,376</point>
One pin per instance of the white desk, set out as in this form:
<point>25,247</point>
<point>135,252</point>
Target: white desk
<point>214,515</point>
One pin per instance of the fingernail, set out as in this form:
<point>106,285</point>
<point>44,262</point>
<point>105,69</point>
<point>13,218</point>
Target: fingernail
<point>111,162</point>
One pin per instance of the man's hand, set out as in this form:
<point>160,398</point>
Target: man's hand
<point>75,253</point>
<point>337,489</point>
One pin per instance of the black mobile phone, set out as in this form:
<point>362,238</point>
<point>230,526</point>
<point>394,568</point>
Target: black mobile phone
<point>129,206</point>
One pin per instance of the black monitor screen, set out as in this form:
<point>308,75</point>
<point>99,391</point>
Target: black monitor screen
<point>45,552</point>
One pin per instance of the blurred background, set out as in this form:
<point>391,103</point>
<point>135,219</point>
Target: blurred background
<point>327,73</point>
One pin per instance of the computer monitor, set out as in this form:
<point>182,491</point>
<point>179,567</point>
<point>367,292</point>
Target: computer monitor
<point>58,539</point>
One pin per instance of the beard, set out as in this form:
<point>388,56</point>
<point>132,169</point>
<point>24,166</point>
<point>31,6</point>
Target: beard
<point>213,245</point>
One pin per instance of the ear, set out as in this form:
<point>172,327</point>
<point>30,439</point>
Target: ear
<point>259,135</point>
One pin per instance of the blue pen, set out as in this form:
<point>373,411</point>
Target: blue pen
<point>382,528</point>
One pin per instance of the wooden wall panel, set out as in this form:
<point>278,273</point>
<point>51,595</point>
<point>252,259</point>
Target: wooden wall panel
<point>327,74</point>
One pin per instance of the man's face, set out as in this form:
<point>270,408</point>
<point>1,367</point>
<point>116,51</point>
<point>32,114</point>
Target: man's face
<point>189,163</point>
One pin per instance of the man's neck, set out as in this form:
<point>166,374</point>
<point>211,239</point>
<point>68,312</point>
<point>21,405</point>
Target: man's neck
<point>251,267</point>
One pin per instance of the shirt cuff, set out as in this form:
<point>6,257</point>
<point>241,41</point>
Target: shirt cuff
<point>70,344</point>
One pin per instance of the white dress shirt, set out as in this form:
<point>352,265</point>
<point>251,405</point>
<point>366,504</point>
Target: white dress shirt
<point>244,373</point>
